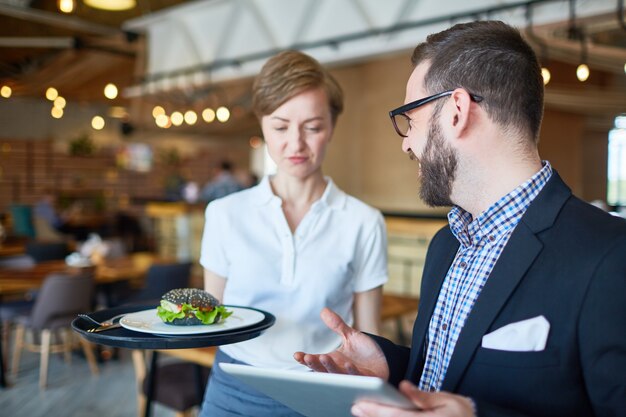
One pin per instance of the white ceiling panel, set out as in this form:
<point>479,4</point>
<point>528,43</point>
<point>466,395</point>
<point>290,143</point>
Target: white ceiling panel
<point>202,34</point>
<point>245,33</point>
<point>285,18</point>
<point>334,19</point>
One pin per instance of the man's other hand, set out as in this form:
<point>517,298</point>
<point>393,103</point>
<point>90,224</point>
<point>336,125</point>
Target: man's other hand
<point>357,355</point>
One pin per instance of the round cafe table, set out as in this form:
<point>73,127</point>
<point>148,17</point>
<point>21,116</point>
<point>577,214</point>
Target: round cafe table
<point>125,338</point>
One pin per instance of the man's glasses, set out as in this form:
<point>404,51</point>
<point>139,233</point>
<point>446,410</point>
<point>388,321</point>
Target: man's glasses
<point>402,122</point>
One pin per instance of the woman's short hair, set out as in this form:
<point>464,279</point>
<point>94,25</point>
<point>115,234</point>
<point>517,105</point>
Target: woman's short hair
<point>491,59</point>
<point>288,74</point>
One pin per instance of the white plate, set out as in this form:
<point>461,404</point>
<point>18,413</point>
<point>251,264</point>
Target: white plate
<point>147,321</point>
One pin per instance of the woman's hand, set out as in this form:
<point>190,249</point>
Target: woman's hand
<point>357,355</point>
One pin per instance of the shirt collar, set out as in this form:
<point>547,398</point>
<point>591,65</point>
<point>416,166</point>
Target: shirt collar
<point>333,197</point>
<point>501,216</point>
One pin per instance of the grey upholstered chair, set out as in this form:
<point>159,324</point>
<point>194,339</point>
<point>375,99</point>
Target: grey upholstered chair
<point>10,309</point>
<point>161,278</point>
<point>58,302</point>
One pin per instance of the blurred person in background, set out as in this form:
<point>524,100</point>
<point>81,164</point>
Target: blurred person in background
<point>47,210</point>
<point>222,184</point>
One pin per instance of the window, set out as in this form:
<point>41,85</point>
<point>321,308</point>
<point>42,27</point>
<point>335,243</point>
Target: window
<point>616,187</point>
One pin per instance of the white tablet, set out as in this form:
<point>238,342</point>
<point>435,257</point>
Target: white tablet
<point>317,394</point>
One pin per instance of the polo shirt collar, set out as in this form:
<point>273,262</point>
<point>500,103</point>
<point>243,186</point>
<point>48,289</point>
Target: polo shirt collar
<point>332,197</point>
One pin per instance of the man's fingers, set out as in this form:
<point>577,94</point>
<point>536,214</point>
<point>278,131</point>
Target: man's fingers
<point>299,357</point>
<point>423,400</point>
<point>330,365</point>
<point>313,362</point>
<point>372,409</point>
<point>335,323</point>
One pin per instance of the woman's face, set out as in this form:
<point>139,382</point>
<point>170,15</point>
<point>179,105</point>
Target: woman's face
<point>298,132</point>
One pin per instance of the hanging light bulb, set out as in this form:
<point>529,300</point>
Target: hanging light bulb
<point>208,115</point>
<point>162,121</point>
<point>582,72</point>
<point>51,93</point>
<point>60,102</point>
<point>157,111</point>
<point>97,122</point>
<point>66,6</point>
<point>624,68</point>
<point>191,117</point>
<point>223,114</point>
<point>6,91</point>
<point>110,91</point>
<point>177,118</point>
<point>112,5</point>
<point>545,74</point>
<point>56,112</point>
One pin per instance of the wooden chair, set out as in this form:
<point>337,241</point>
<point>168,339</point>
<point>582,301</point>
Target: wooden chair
<point>61,297</point>
<point>396,307</point>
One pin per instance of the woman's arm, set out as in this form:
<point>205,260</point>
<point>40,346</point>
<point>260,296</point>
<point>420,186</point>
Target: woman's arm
<point>214,284</point>
<point>366,310</point>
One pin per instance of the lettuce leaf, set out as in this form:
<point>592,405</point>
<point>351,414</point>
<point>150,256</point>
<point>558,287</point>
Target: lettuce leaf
<point>206,317</point>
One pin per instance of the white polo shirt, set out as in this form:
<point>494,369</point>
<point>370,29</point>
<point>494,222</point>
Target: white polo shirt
<point>338,249</point>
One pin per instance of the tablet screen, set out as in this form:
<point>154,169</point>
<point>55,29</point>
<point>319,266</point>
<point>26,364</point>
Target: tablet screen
<point>316,394</point>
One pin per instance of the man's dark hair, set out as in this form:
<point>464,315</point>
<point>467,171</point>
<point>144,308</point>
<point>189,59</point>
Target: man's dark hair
<point>491,59</point>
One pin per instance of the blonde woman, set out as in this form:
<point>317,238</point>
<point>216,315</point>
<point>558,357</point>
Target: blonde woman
<point>293,244</point>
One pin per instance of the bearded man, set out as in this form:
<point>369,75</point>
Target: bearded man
<point>523,297</point>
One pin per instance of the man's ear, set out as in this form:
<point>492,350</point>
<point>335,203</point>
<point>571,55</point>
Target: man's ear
<point>460,115</point>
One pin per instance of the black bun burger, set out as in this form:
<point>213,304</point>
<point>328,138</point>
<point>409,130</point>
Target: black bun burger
<point>189,307</point>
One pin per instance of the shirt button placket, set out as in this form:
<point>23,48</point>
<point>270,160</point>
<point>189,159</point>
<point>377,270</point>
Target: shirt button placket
<point>288,259</point>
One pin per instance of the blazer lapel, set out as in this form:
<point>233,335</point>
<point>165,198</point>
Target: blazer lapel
<point>435,271</point>
<point>518,255</point>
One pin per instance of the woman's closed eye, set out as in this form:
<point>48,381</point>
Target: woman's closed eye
<point>313,129</point>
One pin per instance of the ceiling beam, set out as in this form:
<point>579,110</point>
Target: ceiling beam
<point>60,42</point>
<point>596,102</point>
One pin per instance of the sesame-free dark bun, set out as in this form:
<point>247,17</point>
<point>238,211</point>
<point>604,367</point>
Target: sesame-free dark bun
<point>196,298</point>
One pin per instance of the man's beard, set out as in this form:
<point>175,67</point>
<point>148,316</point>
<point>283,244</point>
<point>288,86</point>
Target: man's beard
<point>438,168</point>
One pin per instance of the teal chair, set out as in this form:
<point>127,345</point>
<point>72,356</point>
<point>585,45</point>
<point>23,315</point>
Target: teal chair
<point>22,216</point>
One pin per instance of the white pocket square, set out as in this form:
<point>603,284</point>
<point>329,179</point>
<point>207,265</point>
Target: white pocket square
<point>523,336</point>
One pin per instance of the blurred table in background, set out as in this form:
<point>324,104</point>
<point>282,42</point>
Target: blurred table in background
<point>12,246</point>
<point>107,271</point>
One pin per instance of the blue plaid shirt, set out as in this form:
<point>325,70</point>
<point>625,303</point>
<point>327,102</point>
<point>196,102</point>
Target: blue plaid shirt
<point>482,241</point>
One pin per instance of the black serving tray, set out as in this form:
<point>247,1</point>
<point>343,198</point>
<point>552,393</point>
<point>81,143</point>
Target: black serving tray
<point>125,338</point>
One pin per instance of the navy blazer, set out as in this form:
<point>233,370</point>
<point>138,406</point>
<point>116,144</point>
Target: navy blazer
<point>565,260</point>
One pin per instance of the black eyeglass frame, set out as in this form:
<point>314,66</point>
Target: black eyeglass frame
<point>400,111</point>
